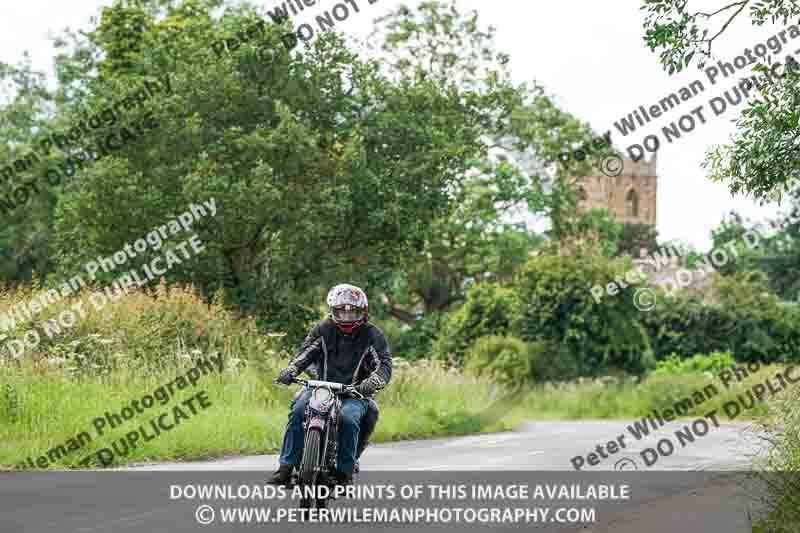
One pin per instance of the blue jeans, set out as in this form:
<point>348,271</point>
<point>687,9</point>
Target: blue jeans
<point>353,410</point>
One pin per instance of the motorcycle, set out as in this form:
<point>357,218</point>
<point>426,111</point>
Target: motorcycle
<point>321,427</point>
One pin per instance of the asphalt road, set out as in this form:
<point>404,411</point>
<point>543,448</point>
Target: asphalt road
<point>535,446</point>
<point>668,503</point>
<point>667,497</point>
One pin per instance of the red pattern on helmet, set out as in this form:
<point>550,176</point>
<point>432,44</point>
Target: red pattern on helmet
<point>354,296</point>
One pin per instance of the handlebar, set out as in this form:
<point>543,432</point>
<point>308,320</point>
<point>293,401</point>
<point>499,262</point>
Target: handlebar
<point>318,383</point>
<point>338,387</point>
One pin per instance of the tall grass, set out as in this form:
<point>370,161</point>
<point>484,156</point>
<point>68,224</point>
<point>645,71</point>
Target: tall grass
<point>146,339</point>
<point>780,465</point>
<point>631,398</point>
<point>425,399</point>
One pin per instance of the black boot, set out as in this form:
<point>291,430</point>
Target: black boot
<point>344,479</point>
<point>281,476</point>
<point>362,445</point>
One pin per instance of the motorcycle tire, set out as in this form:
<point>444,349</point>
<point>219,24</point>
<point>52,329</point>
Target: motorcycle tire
<point>309,466</point>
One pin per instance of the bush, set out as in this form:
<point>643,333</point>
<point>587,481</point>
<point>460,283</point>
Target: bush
<point>556,306</point>
<point>674,365</point>
<point>746,320</point>
<point>505,359</point>
<point>488,310</point>
<point>138,329</point>
<point>416,341</point>
<point>553,362</point>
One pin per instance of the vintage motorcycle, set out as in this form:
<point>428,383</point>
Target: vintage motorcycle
<point>321,425</point>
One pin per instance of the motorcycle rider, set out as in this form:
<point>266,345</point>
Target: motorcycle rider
<point>344,348</point>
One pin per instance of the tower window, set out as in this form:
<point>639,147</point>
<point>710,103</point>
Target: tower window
<point>632,204</point>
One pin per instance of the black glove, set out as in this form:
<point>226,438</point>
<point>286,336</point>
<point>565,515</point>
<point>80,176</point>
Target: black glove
<point>369,385</point>
<point>286,375</point>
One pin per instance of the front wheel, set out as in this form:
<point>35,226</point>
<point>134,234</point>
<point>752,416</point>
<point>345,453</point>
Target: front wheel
<point>309,467</point>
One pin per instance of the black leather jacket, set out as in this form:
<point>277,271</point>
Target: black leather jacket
<point>370,345</point>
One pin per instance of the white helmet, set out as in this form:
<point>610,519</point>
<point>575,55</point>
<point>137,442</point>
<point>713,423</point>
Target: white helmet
<point>347,307</point>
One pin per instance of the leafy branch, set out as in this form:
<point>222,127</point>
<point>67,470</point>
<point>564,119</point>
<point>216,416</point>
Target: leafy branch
<point>681,34</point>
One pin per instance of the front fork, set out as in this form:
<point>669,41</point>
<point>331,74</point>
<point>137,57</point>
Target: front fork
<point>328,426</point>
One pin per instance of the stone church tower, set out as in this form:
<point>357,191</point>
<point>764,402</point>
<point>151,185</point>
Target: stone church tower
<point>629,197</point>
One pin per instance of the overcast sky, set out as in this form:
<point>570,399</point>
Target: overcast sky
<point>590,55</point>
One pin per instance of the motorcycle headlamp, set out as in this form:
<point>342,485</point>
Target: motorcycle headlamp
<point>322,395</point>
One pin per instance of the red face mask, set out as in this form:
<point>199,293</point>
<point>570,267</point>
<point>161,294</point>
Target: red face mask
<point>348,329</point>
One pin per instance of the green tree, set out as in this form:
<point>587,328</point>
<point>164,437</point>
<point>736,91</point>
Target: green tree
<point>763,158</point>
<point>594,230</point>
<point>26,231</point>
<point>323,167</point>
<point>742,242</point>
<point>483,236</point>
<point>780,254</point>
<point>557,307</point>
<point>489,309</point>
<point>769,255</point>
<point>32,112</point>
<point>636,237</point>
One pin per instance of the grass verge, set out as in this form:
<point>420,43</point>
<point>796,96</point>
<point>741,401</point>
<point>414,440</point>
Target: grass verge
<point>247,414</point>
<point>780,466</point>
<point>51,396</point>
<point>139,341</point>
<point>628,399</point>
